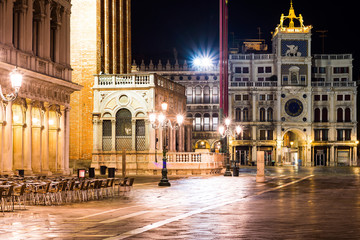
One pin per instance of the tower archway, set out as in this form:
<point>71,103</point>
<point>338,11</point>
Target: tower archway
<point>294,147</point>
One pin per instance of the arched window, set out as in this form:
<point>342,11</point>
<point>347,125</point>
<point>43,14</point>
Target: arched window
<point>54,31</point>
<point>238,114</point>
<point>347,115</point>
<point>215,122</point>
<point>317,115</point>
<point>270,114</point>
<point>189,95</point>
<point>198,94</point>
<point>340,113</point>
<point>17,11</point>
<point>246,115</point>
<point>197,122</point>
<point>36,25</point>
<point>206,94</point>
<point>215,95</point>
<point>206,122</point>
<point>324,115</point>
<point>262,115</point>
<point>123,130</point>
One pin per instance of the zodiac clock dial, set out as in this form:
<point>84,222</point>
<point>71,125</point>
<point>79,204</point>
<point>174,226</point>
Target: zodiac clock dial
<point>294,107</point>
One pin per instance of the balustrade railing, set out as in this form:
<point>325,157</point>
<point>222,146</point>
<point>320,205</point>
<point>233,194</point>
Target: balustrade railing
<point>194,157</point>
<point>136,80</point>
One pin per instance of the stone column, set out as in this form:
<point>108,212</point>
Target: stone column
<point>148,134</point>
<point>46,31</point>
<point>127,15</point>
<point>2,138</point>
<point>133,135</point>
<point>254,154</point>
<point>107,29</point>
<point>60,161</point>
<point>332,155</point>
<point>308,155</point>
<point>181,139</point>
<point>113,135</point>
<point>96,133</point>
<point>115,45</point>
<point>355,163</point>
<point>67,141</point>
<point>45,141</point>
<point>8,23</point>
<point>28,139</point>
<point>8,140</point>
<point>67,39</point>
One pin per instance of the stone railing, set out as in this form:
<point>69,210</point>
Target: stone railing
<point>30,62</point>
<point>193,157</point>
<point>253,84</point>
<point>333,84</point>
<point>136,80</point>
<point>251,56</point>
<point>150,163</point>
<point>333,56</point>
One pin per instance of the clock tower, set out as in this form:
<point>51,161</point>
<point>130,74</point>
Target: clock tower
<point>292,49</point>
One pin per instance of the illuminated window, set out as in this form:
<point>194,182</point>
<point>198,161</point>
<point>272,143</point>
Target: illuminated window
<point>206,122</point>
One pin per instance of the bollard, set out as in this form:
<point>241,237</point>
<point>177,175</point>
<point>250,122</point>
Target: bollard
<point>91,172</point>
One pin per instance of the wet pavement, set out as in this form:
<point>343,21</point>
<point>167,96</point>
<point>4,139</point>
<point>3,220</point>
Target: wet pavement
<point>306,203</point>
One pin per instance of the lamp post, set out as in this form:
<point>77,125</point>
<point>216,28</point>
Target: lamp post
<point>16,81</point>
<point>203,63</point>
<point>160,120</point>
<point>226,131</point>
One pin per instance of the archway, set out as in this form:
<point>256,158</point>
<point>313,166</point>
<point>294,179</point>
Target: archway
<point>202,146</point>
<point>294,148</point>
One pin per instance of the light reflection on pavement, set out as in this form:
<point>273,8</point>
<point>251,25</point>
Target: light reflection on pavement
<point>292,204</point>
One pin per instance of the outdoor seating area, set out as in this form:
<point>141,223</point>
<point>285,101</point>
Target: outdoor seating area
<point>17,192</point>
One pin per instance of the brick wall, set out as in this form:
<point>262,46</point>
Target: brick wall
<point>83,62</point>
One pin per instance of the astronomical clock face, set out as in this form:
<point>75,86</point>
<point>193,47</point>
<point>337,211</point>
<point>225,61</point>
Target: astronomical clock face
<point>294,107</point>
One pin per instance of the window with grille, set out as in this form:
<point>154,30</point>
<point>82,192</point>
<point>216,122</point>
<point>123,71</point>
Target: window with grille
<point>140,135</point>
<point>106,135</point>
<point>123,131</point>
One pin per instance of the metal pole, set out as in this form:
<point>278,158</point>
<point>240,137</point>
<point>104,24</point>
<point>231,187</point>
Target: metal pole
<point>228,171</point>
<point>164,182</point>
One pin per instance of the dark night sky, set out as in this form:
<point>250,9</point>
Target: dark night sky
<point>159,26</point>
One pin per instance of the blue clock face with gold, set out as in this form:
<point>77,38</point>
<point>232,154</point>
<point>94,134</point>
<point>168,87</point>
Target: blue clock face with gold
<point>294,107</point>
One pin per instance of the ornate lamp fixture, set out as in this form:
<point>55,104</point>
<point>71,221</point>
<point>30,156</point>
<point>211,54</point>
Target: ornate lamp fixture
<point>16,81</point>
<point>160,120</point>
<point>226,132</point>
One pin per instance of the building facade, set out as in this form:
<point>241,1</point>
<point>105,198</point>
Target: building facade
<point>121,127</point>
<point>100,42</point>
<point>297,107</point>
<point>35,39</point>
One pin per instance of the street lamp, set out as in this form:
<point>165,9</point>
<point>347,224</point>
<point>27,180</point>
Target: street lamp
<point>16,81</point>
<point>160,120</point>
<point>226,131</point>
<point>203,63</point>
